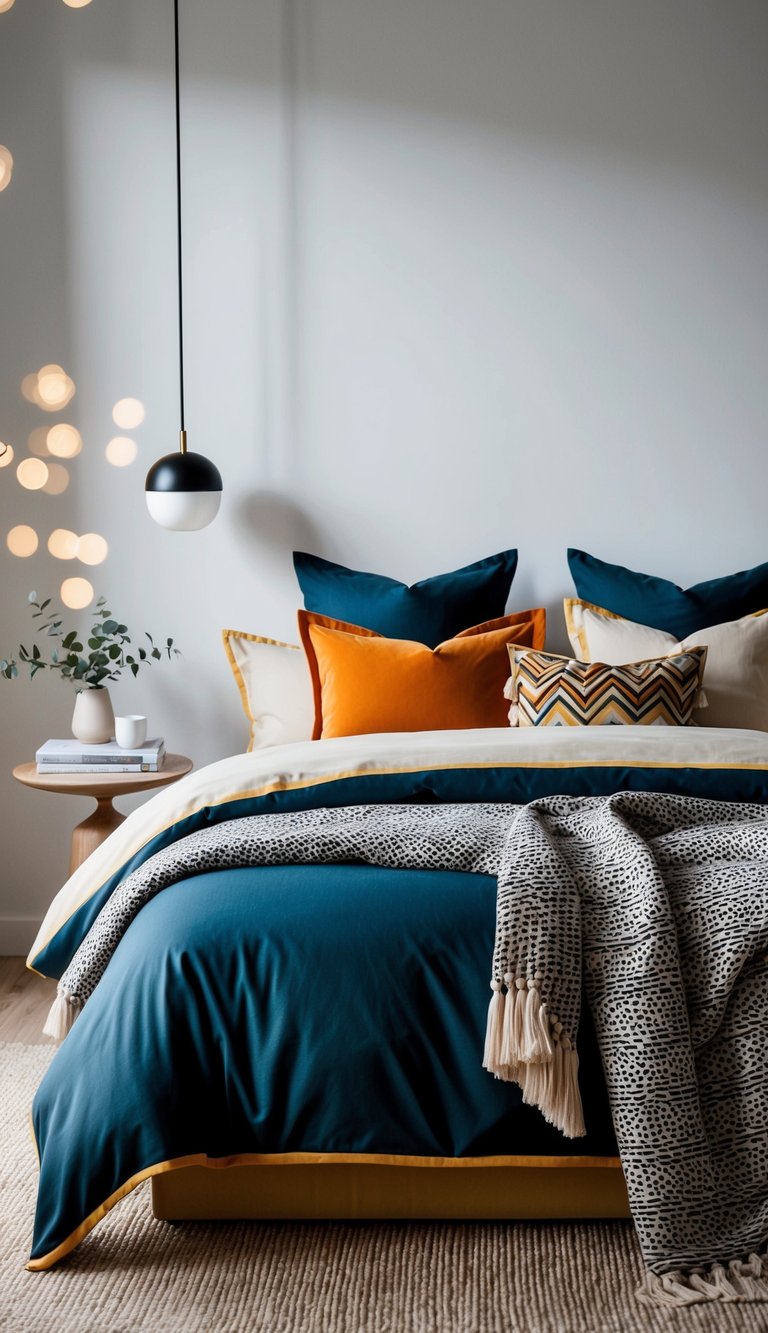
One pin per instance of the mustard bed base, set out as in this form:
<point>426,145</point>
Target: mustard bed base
<point>307,1186</point>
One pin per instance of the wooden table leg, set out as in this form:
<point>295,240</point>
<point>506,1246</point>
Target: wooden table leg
<point>92,832</point>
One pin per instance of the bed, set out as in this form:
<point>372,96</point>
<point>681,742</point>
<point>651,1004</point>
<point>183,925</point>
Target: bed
<point>306,1040</point>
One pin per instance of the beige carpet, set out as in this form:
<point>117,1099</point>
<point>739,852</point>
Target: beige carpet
<point>135,1273</point>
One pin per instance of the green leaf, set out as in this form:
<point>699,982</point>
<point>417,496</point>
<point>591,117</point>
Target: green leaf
<point>47,602</point>
<point>54,657</point>
<point>156,654</point>
<point>109,626</point>
<point>32,599</point>
<point>135,668</point>
<point>35,651</point>
<point>94,643</point>
<point>143,654</point>
<point>76,647</point>
<point>69,639</point>
<point>148,636</point>
<point>114,651</point>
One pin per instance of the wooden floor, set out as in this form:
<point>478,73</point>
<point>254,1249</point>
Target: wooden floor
<point>25,999</point>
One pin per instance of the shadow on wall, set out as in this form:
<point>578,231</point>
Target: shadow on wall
<point>270,524</point>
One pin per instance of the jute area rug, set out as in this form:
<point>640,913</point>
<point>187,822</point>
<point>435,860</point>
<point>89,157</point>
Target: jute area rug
<point>135,1273</point>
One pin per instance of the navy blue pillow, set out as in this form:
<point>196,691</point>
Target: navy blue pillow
<point>428,612</point>
<point>657,602</point>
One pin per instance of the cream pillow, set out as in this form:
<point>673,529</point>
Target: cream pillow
<point>275,688</point>
<point>736,676</point>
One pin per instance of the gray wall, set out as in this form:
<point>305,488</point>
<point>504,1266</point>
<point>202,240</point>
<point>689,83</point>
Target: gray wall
<point>460,275</point>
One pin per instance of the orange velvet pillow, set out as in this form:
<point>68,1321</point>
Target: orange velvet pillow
<point>364,683</point>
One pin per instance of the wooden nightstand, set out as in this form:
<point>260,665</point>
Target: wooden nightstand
<point>103,787</point>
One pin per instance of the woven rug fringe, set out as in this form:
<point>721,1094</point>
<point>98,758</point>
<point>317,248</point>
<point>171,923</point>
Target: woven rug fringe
<point>743,1281</point>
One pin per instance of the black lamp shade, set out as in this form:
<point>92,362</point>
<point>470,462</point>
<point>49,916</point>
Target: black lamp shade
<point>183,472</point>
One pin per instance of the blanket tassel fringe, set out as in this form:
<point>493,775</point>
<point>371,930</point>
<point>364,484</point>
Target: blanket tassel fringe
<point>61,1015</point>
<point>526,1045</point>
<point>741,1281</point>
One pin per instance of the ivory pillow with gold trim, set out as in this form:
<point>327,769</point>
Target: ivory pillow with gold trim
<point>546,690</point>
<point>737,662</point>
<point>275,688</point>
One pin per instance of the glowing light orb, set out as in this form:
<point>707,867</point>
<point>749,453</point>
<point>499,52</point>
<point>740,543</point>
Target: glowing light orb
<point>5,5</point>
<point>6,454</point>
<point>121,451</point>
<point>92,549</point>
<point>64,441</point>
<point>63,544</point>
<point>22,541</point>
<point>128,413</point>
<point>49,388</point>
<point>29,388</point>
<point>58,479</point>
<point>53,387</point>
<point>32,474</point>
<point>6,167</point>
<point>76,593</point>
<point>37,442</point>
<point>76,4</point>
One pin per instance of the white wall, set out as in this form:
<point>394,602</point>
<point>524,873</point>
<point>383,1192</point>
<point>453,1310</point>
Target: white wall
<point>461,274</point>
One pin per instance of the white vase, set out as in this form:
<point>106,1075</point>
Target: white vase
<point>93,721</point>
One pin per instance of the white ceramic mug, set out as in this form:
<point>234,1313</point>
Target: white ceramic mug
<point>131,731</point>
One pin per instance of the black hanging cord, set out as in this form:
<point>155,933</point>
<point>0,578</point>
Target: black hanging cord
<point>178,210</point>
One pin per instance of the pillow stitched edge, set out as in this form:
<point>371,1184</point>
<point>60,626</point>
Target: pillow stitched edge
<point>226,635</point>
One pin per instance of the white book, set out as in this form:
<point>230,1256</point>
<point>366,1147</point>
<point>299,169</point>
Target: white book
<point>83,769</point>
<point>74,752</point>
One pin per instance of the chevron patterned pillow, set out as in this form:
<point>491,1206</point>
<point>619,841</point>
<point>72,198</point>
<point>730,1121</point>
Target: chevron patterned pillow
<point>551,691</point>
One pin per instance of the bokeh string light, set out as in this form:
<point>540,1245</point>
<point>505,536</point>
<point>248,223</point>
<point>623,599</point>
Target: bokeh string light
<point>22,541</point>
<point>92,549</point>
<point>32,474</point>
<point>76,593</point>
<point>49,388</point>
<point>121,451</point>
<point>128,413</point>
<point>58,479</point>
<point>6,167</point>
<point>37,442</point>
<point>63,544</point>
<point>64,441</point>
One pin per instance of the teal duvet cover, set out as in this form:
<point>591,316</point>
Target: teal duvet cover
<point>317,1009</point>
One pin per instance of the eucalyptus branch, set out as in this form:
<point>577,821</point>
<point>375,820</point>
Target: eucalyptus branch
<point>103,662</point>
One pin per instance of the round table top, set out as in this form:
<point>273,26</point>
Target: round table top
<point>104,785</point>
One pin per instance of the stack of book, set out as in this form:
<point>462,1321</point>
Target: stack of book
<point>73,757</point>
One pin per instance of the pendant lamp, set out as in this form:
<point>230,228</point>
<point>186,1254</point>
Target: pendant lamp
<point>183,489</point>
